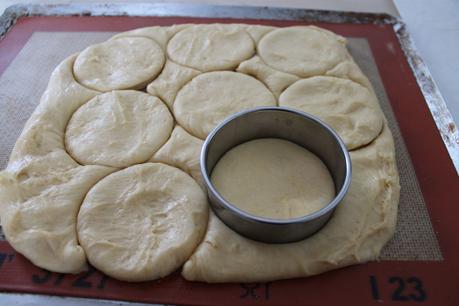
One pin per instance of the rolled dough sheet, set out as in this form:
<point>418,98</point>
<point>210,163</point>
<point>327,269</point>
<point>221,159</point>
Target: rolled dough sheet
<point>42,188</point>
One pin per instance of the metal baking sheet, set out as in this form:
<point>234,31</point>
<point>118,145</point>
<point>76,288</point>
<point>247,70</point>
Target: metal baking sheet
<point>424,281</point>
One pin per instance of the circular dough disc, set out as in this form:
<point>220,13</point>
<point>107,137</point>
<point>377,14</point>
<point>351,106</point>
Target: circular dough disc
<point>122,63</point>
<point>118,129</point>
<point>143,222</point>
<point>210,47</point>
<point>211,97</point>
<point>304,51</point>
<point>273,178</point>
<point>348,107</point>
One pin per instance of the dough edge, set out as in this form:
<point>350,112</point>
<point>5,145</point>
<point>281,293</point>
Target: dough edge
<point>262,262</point>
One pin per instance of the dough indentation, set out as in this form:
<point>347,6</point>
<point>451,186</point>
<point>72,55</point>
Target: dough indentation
<point>273,178</point>
<point>122,63</point>
<point>348,107</point>
<point>210,47</point>
<point>210,97</point>
<point>143,222</point>
<point>118,129</point>
<point>303,51</point>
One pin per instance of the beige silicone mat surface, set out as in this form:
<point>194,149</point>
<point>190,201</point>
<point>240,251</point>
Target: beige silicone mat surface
<point>25,79</point>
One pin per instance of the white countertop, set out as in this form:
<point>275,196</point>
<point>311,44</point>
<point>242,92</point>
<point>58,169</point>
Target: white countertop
<point>434,26</point>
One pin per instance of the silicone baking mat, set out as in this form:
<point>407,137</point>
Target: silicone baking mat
<point>417,266</point>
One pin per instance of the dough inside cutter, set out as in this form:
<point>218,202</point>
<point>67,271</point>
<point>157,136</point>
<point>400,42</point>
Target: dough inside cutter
<point>273,178</point>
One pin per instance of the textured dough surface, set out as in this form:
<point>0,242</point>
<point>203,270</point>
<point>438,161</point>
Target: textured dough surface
<point>43,132</point>
<point>275,80</point>
<point>182,150</point>
<point>126,62</point>
<point>211,97</point>
<point>39,210</point>
<point>143,222</point>
<point>348,107</point>
<point>42,189</point>
<point>159,34</point>
<point>303,51</point>
<point>169,82</point>
<point>273,178</point>
<point>211,47</point>
<point>359,228</point>
<point>118,129</point>
<point>350,70</point>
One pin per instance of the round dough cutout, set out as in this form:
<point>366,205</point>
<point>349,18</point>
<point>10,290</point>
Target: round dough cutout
<point>273,178</point>
<point>348,107</point>
<point>143,222</point>
<point>118,129</point>
<point>122,63</point>
<point>210,97</point>
<point>210,47</point>
<point>303,51</point>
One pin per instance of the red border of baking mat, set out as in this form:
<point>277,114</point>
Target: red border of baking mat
<point>388,282</point>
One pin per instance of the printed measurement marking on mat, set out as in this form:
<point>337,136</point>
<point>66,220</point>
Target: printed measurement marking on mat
<point>85,280</point>
<point>6,258</point>
<point>401,289</point>
<point>256,291</point>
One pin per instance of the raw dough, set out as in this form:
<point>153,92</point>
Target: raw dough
<point>359,228</point>
<point>118,129</point>
<point>211,97</point>
<point>43,186</point>
<point>304,51</point>
<point>44,131</point>
<point>169,82</point>
<point>350,70</point>
<point>348,107</point>
<point>275,80</point>
<point>159,34</point>
<point>126,62</point>
<point>257,31</point>
<point>273,178</point>
<point>38,209</point>
<point>209,47</point>
<point>182,150</point>
<point>143,222</point>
